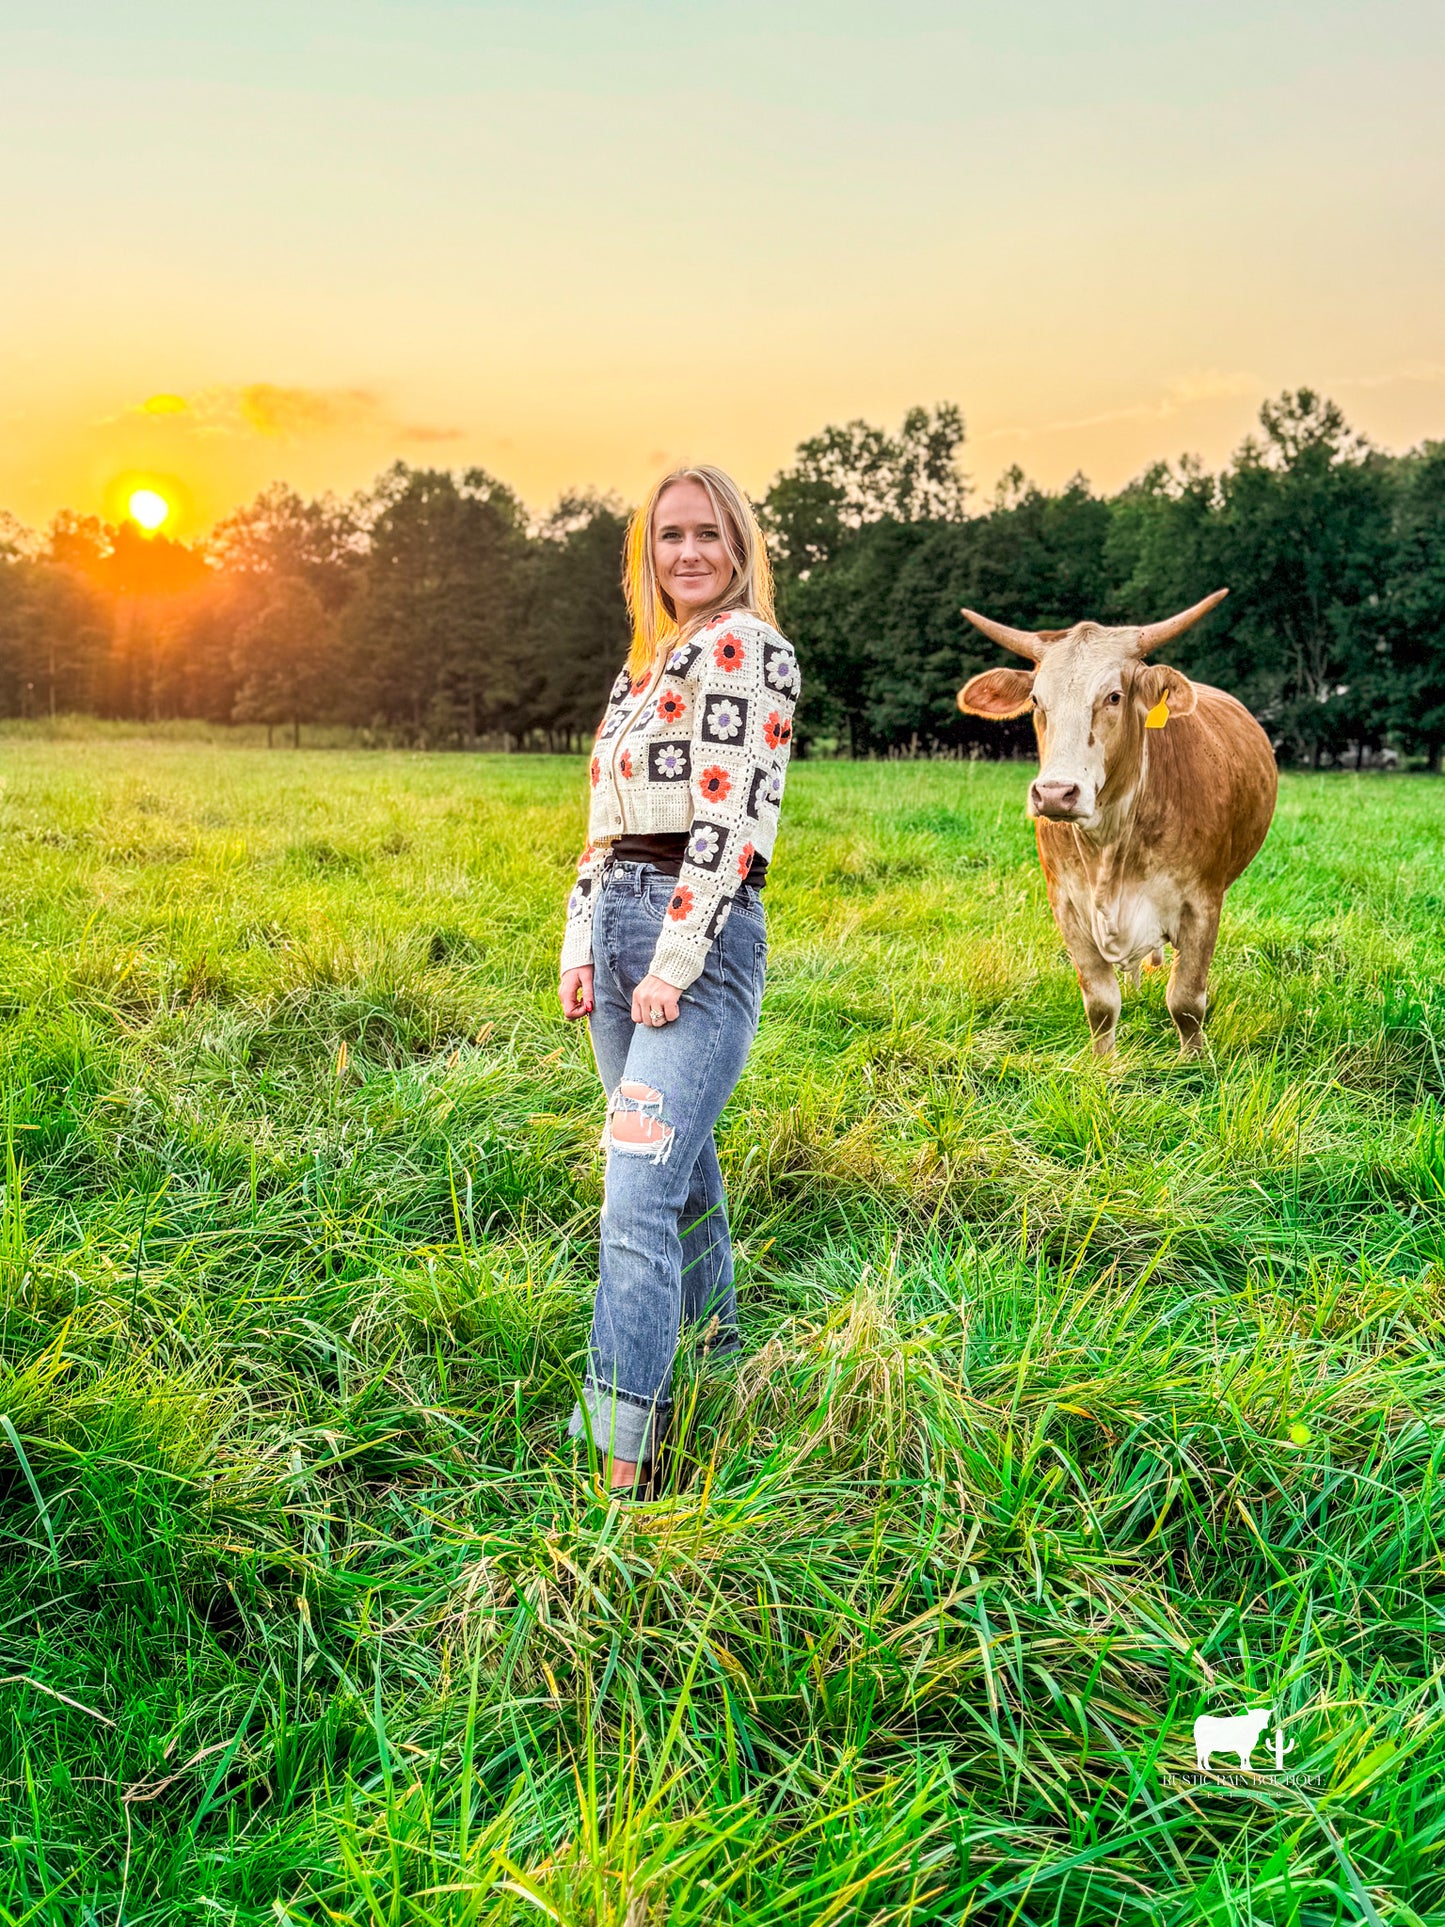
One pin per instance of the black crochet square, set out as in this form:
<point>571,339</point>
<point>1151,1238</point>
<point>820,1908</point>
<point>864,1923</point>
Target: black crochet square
<point>705,844</point>
<point>725,719</point>
<point>780,668</point>
<point>669,762</point>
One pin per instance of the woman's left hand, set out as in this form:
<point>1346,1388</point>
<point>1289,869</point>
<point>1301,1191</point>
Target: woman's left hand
<point>655,1002</point>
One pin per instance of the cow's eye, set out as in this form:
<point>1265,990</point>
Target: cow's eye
<point>1115,698</point>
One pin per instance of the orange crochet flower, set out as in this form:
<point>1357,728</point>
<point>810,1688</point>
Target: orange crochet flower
<point>596,771</point>
<point>671,708</point>
<point>777,730</point>
<point>625,764</point>
<point>716,784</point>
<point>681,903</point>
<point>729,653</point>
<point>745,859</point>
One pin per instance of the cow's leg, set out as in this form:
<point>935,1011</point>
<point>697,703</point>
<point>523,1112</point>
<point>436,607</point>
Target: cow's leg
<point>1188,991</point>
<point>1098,980</point>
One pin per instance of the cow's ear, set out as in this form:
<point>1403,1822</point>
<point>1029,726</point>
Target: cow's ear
<point>1158,683</point>
<point>999,693</point>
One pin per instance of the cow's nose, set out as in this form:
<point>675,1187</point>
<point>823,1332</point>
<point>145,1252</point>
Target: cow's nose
<point>1054,799</point>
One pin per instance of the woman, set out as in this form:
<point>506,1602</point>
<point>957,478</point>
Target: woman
<point>666,943</point>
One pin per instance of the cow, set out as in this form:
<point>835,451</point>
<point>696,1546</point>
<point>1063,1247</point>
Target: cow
<point>1153,794</point>
<point>1239,1735</point>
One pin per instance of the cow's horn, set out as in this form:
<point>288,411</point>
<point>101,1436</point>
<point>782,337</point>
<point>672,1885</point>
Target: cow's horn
<point>1157,632</point>
<point>1023,642</point>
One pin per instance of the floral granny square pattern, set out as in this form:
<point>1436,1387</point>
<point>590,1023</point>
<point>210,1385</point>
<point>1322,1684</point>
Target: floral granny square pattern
<point>725,719</point>
<point>705,844</point>
<point>669,762</point>
<point>780,668</point>
<point>766,789</point>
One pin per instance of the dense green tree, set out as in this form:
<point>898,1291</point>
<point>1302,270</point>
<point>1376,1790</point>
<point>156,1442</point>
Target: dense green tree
<point>437,635</point>
<point>1162,550</point>
<point>576,619</point>
<point>838,617</point>
<point>286,658</point>
<point>854,474</point>
<point>1412,615</point>
<point>54,634</point>
<point>1305,543</point>
<point>281,534</point>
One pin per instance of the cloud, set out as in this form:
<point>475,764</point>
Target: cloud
<point>294,414</point>
<point>1183,393</point>
<point>275,411</point>
<point>1430,374</point>
<point>424,434</point>
<point>1199,388</point>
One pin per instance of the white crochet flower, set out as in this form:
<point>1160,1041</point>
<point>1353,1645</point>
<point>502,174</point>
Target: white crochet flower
<point>704,845</point>
<point>724,719</point>
<point>669,761</point>
<point>783,671</point>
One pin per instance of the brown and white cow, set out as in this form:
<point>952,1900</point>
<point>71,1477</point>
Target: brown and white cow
<point>1153,794</point>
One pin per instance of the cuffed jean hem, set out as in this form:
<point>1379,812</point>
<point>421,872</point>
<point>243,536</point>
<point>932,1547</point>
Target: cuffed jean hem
<point>622,1427</point>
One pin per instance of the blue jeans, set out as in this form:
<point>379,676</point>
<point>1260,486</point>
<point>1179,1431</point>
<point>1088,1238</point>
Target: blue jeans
<point>666,1253</point>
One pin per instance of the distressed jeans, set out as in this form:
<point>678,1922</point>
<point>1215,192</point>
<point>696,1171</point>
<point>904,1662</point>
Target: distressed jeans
<point>666,1253</point>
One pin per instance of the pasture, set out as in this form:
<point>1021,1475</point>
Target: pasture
<point>1081,1398</point>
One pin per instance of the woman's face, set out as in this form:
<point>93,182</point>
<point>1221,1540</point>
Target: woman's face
<point>689,549</point>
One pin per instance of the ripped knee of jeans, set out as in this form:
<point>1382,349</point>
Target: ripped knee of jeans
<point>635,1124</point>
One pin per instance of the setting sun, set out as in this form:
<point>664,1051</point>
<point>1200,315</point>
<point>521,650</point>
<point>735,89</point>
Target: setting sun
<point>148,509</point>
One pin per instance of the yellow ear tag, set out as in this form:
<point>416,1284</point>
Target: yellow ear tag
<point>1159,714</point>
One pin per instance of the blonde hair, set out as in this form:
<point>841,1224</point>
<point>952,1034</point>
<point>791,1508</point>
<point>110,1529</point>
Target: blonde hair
<point>655,626</point>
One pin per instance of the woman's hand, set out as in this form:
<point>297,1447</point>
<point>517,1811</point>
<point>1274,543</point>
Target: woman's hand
<point>576,992</point>
<point>655,1002</point>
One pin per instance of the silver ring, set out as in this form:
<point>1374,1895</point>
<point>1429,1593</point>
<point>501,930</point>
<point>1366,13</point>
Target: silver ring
<point>657,1017</point>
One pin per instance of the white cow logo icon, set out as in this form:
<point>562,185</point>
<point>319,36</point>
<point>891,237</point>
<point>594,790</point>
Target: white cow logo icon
<point>1239,1735</point>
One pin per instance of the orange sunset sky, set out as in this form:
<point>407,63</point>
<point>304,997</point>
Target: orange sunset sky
<point>574,240</point>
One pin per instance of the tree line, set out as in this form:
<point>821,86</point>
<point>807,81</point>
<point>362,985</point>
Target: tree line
<point>431,610</point>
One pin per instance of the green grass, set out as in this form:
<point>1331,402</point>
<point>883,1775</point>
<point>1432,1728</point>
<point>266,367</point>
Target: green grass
<point>303,1615</point>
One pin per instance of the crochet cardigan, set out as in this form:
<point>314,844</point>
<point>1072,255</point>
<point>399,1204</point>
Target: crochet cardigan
<point>701,745</point>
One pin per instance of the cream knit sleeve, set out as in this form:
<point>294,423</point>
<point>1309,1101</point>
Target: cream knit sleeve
<point>744,678</point>
<point>577,938</point>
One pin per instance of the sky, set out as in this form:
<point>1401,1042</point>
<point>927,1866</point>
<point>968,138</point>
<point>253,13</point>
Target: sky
<point>577,241</point>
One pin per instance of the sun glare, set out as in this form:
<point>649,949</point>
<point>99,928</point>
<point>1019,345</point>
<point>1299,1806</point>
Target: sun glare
<point>148,509</point>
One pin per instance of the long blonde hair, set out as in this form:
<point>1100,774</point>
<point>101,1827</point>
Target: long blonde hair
<point>655,626</point>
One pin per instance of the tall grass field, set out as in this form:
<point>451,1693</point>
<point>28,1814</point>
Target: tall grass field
<point>1080,1398</point>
